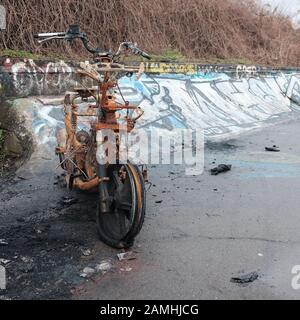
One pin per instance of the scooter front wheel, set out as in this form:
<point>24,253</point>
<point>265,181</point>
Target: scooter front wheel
<point>123,218</point>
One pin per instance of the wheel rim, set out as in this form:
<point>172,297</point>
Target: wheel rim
<point>117,223</point>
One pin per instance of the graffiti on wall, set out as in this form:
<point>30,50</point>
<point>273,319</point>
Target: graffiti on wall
<point>194,68</point>
<point>26,77</point>
<point>292,88</point>
<point>219,99</point>
<point>217,103</point>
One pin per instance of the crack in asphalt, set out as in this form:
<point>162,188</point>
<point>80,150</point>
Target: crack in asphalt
<point>181,236</point>
<point>251,239</point>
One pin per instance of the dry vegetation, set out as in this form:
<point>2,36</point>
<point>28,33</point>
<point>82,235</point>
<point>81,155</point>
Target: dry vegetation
<point>198,29</point>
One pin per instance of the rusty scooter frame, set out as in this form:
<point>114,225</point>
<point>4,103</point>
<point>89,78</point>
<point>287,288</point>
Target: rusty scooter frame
<point>121,204</point>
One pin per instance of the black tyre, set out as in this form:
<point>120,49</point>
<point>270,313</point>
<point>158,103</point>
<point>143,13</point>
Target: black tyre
<point>118,227</point>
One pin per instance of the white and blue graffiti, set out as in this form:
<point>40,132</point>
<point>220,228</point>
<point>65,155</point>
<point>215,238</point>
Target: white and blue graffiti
<point>219,103</point>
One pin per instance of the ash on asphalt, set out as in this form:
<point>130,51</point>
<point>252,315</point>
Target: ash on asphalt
<point>46,238</point>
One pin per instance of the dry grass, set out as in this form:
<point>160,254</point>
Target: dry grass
<point>198,29</point>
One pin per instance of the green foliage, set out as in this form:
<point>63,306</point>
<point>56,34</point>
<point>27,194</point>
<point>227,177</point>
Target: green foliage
<point>29,55</point>
<point>169,54</point>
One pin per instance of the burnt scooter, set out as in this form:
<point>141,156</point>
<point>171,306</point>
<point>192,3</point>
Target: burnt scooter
<point>121,186</point>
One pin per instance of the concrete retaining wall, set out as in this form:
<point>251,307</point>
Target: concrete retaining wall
<point>223,100</point>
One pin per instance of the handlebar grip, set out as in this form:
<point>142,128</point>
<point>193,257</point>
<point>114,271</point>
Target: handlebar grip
<point>145,55</point>
<point>51,34</point>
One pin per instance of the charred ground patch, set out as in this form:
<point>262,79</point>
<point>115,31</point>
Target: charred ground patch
<point>46,240</point>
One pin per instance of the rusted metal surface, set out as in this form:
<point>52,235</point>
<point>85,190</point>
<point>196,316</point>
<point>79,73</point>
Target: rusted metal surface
<point>77,149</point>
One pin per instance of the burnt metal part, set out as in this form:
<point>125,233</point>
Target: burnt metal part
<point>121,202</point>
<point>272,149</point>
<point>83,137</point>
<point>247,278</point>
<point>220,169</point>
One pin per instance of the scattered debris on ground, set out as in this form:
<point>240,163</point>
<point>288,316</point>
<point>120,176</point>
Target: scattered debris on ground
<point>104,266</point>
<point>212,215</point>
<point>220,169</point>
<point>126,269</point>
<point>260,254</point>
<point>87,272</point>
<point>273,149</point>
<point>4,261</point>
<point>68,200</point>
<point>41,229</point>
<point>129,255</point>
<point>23,177</point>
<point>86,252</point>
<point>247,278</point>
<point>26,259</point>
<point>3,242</point>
